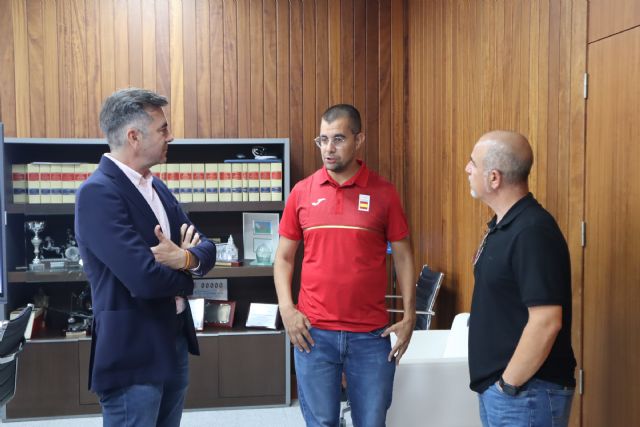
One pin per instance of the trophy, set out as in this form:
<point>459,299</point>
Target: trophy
<point>36,227</point>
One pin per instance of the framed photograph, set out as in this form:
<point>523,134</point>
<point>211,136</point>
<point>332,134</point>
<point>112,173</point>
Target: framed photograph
<point>260,236</point>
<point>219,313</point>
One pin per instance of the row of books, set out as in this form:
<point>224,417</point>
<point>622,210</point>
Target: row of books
<point>48,182</point>
<point>231,181</point>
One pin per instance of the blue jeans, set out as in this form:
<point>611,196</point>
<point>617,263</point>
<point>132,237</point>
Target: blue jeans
<point>149,405</point>
<point>539,404</point>
<point>363,358</point>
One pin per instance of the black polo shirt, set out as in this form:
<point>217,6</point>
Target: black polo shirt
<point>524,263</point>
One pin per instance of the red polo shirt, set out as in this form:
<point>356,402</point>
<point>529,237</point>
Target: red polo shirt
<point>345,230</point>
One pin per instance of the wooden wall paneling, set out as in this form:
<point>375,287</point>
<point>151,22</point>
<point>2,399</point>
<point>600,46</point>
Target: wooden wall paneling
<point>176,67</point>
<point>51,98</point>
<point>256,65</point>
<point>65,69</point>
<point>270,85</point>
<point>322,57</point>
<point>78,64</point>
<point>283,65</point>
<point>576,196</point>
<point>346,51</point>
<point>135,30</point>
<point>334,59</point>
<point>610,17</point>
<point>203,81</point>
<point>296,90</point>
<point>548,194</point>
<point>372,107</point>
<point>543,89</point>
<point>534,73</point>
<point>397,100</point>
<point>163,60</point>
<point>218,67</point>
<point>36,67</point>
<point>7,76</point>
<point>190,80</point>
<point>244,69</point>
<point>94,91</point>
<point>107,48</point>
<point>564,104</point>
<point>310,122</point>
<point>21,58</point>
<point>149,61</point>
<point>121,44</point>
<point>359,59</point>
<point>384,90</point>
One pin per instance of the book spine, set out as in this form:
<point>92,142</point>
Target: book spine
<point>197,175</point>
<point>211,182</point>
<point>254,182</point>
<point>173,179</point>
<point>265,182</point>
<point>236,182</point>
<point>186,183</point>
<point>45,183</point>
<point>33,183</point>
<point>56,183</point>
<point>224,173</point>
<point>68,184</point>
<point>19,183</point>
<point>276,181</point>
<point>78,175</point>
<point>245,182</point>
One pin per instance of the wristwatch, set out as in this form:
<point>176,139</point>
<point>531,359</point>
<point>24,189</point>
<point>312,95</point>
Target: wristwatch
<point>508,389</point>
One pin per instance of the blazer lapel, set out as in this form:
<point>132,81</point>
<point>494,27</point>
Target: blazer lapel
<point>128,189</point>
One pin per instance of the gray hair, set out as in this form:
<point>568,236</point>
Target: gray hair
<point>501,157</point>
<point>125,108</point>
<point>344,110</point>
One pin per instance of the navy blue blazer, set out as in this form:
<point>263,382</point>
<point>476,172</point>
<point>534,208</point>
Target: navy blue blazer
<point>134,311</point>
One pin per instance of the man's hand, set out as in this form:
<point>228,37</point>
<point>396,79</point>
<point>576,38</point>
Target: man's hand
<point>297,326</point>
<point>188,237</point>
<point>403,331</point>
<point>167,252</point>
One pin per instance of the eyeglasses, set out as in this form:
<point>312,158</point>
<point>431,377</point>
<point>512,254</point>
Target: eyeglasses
<point>322,141</point>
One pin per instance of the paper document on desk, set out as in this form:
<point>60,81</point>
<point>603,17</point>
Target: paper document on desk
<point>262,315</point>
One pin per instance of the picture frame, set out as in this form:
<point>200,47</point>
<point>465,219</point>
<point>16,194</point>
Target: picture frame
<point>260,229</point>
<point>219,314</point>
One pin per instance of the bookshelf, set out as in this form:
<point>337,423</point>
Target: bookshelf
<point>229,371</point>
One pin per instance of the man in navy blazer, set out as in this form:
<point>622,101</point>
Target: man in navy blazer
<point>139,251</point>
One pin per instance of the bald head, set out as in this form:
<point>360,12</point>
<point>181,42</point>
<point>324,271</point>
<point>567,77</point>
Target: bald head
<point>509,153</point>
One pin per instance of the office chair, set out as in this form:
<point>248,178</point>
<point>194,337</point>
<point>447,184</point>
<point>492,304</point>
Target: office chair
<point>11,343</point>
<point>427,288</point>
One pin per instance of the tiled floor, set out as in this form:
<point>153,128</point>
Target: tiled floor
<point>259,417</point>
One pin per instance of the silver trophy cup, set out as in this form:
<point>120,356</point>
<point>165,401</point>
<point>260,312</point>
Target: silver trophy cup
<point>36,227</point>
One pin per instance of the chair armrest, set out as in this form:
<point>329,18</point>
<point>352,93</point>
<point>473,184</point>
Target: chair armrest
<point>12,356</point>
<point>395,310</point>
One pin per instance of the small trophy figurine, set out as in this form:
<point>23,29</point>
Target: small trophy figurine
<point>36,227</point>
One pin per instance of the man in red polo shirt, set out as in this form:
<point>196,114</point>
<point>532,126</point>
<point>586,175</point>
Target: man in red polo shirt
<point>345,214</point>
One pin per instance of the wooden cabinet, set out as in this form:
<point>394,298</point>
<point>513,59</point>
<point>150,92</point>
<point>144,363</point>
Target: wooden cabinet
<point>237,366</point>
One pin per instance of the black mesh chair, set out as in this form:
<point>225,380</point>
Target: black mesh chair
<point>427,288</point>
<point>11,343</point>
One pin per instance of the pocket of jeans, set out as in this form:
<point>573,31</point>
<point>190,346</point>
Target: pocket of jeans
<point>377,332</point>
<point>523,393</point>
<point>560,402</point>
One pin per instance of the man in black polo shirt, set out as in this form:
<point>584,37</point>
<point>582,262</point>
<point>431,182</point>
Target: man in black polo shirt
<point>520,358</point>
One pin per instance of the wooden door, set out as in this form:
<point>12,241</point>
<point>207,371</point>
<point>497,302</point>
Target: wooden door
<point>612,252</point>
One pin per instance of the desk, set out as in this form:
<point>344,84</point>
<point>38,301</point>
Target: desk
<point>430,389</point>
